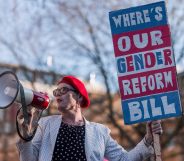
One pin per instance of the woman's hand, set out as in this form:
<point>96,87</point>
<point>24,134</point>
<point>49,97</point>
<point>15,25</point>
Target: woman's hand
<point>153,127</point>
<point>27,128</point>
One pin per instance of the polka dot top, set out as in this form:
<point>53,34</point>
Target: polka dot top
<point>69,144</point>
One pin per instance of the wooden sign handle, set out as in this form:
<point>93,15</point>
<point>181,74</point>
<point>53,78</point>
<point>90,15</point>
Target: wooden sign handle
<point>157,148</point>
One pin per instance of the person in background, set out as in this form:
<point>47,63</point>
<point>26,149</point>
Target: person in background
<point>70,137</point>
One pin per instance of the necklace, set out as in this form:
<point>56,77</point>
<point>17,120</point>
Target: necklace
<point>78,123</point>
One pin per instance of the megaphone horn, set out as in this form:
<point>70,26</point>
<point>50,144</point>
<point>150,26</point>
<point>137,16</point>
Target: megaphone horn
<point>10,92</point>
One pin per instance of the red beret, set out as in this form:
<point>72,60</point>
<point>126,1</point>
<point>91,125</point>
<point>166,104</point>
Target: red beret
<point>79,86</point>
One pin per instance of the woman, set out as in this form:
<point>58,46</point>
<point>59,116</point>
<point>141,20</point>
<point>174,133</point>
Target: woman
<point>71,137</point>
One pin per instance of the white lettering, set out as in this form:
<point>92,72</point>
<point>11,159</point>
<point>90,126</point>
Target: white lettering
<point>168,109</point>
<point>126,87</point>
<point>139,18</point>
<point>145,108</point>
<point>141,42</point>
<point>148,108</point>
<point>159,83</point>
<point>156,111</point>
<point>147,83</point>
<point>135,84</point>
<point>143,83</point>
<point>117,20</point>
<point>168,78</point>
<point>126,20</point>
<point>132,18</point>
<point>146,16</point>
<point>159,16</point>
<point>135,111</point>
<point>151,82</point>
<point>156,37</point>
<point>126,41</point>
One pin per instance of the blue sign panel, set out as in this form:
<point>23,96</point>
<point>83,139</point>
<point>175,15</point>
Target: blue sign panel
<point>136,18</point>
<point>151,107</point>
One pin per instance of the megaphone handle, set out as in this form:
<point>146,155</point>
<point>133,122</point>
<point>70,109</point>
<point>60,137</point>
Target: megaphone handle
<point>23,102</point>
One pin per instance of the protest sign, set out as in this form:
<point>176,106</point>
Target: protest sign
<point>145,63</point>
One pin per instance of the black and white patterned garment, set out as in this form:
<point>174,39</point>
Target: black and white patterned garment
<point>69,144</point>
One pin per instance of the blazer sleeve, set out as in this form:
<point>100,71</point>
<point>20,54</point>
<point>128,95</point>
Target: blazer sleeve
<point>115,152</point>
<point>29,151</point>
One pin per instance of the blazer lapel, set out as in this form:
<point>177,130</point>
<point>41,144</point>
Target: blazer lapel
<point>54,128</point>
<point>88,139</point>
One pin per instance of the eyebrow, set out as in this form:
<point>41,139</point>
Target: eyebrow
<point>67,87</point>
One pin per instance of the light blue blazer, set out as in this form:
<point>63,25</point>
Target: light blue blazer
<point>98,143</point>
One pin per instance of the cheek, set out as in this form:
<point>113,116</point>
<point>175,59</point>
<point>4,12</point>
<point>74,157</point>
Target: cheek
<point>72,99</point>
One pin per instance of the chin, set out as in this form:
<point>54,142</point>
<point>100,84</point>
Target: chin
<point>62,108</point>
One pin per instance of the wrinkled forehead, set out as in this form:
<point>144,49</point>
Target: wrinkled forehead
<point>64,85</point>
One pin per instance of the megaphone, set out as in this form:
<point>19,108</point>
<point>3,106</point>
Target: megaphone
<point>10,92</point>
